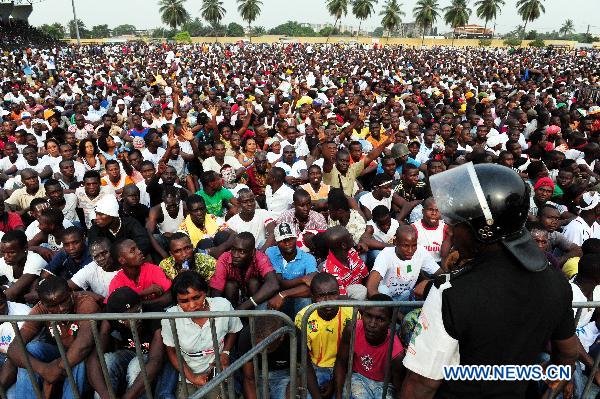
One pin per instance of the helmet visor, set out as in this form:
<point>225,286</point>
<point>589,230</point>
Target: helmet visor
<point>459,196</point>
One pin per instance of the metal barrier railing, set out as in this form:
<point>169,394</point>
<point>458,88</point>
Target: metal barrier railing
<point>223,375</point>
<point>227,374</point>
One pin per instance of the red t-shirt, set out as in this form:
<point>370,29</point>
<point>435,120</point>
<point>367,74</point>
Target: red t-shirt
<point>354,274</point>
<point>149,274</point>
<point>259,267</point>
<point>370,361</point>
<point>13,221</point>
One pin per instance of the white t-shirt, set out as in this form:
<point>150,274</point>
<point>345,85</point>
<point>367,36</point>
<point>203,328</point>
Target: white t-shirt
<point>33,265</point>
<point>7,333</point>
<point>5,163</point>
<point>34,228</point>
<point>386,238</point>
<point>212,164</point>
<point>578,231</point>
<point>70,209</point>
<point>399,275</point>
<point>144,196</point>
<point>257,226</point>
<point>294,170</point>
<point>196,341</point>
<point>370,202</point>
<point>93,278</point>
<point>154,158</point>
<point>280,200</point>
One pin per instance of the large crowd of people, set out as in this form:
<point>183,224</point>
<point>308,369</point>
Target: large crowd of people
<point>209,177</point>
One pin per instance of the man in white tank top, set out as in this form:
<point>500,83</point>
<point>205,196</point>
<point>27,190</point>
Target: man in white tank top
<point>164,220</point>
<point>432,232</point>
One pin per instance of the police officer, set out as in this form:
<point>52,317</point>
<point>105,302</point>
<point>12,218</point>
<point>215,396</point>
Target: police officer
<point>503,307</point>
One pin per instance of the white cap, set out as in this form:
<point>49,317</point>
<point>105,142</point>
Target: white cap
<point>120,102</point>
<point>108,206</point>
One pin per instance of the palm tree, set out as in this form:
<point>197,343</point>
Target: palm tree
<point>457,14</point>
<point>362,9</point>
<point>488,10</point>
<point>391,17</point>
<point>173,13</point>
<point>212,11</point>
<point>567,28</point>
<point>530,10</point>
<point>337,9</point>
<point>249,10</point>
<point>426,12</point>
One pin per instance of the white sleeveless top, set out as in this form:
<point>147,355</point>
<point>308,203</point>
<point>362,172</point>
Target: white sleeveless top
<point>430,238</point>
<point>169,224</point>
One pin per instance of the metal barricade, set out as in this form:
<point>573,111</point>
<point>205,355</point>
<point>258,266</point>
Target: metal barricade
<point>222,376</point>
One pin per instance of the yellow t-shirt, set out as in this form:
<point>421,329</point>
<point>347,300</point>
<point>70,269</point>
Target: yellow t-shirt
<point>323,337</point>
<point>571,267</point>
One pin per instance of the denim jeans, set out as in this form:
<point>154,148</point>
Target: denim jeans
<point>407,296</point>
<point>323,374</point>
<point>292,306</point>
<point>278,383</point>
<point>123,368</point>
<point>46,353</point>
<point>365,388</point>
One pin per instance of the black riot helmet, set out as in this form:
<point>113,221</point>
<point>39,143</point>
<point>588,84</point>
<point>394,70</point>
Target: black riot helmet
<point>493,201</point>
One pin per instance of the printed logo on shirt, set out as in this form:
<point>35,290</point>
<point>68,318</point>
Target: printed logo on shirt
<point>312,326</point>
<point>367,362</point>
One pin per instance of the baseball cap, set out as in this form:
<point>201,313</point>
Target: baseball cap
<point>399,150</point>
<point>120,102</point>
<point>122,300</point>
<point>532,113</point>
<point>108,206</point>
<point>25,115</point>
<point>283,231</point>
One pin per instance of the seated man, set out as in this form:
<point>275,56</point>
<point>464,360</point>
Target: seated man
<point>146,279</point>
<point>302,218</point>
<point>95,277</point>
<point>8,372</point>
<point>51,227</point>
<point>258,222</point>
<point>19,268</point>
<point>370,354</point>
<point>183,258</point>
<point>324,328</point>
<point>316,188</point>
<point>114,178</point>
<point>397,269</point>
<point>432,232</point>
<point>562,248</point>
<point>9,220</point>
<point>382,195</point>
<point>247,270</point>
<point>123,367</point>
<point>278,195</point>
<point>72,258</point>
<point>164,220</point>
<point>131,206</point>
<point>21,198</point>
<point>216,197</point>
<point>379,234</point>
<point>295,270</point>
<point>55,298</point>
<point>344,263</point>
<point>341,214</point>
<point>109,224</point>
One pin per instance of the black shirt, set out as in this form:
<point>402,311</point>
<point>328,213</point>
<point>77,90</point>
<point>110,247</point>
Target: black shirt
<point>138,211</point>
<point>279,359</point>
<point>130,229</point>
<point>146,330</point>
<point>503,314</point>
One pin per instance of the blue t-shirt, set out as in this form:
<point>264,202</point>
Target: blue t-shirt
<point>137,133</point>
<point>303,264</point>
<point>409,161</point>
<point>64,266</point>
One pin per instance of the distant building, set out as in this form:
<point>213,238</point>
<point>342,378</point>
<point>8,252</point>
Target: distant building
<point>472,32</point>
<point>342,28</point>
<point>412,29</point>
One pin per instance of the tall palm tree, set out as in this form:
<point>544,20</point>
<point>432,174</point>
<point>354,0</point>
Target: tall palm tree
<point>391,17</point>
<point>457,14</point>
<point>249,10</point>
<point>567,28</point>
<point>530,10</point>
<point>213,12</point>
<point>426,12</point>
<point>337,9</point>
<point>362,9</point>
<point>488,9</point>
<point>173,13</point>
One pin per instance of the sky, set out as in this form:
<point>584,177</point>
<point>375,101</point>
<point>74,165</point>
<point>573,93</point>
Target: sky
<point>144,13</point>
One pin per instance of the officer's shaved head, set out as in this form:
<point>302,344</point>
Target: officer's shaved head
<point>406,232</point>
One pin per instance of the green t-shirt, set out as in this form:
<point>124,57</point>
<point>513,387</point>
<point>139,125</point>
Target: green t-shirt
<point>214,204</point>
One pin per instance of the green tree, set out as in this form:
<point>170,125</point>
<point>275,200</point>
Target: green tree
<point>392,17</point>
<point>568,28</point>
<point>457,14</point>
<point>173,13</point>
<point>162,33</point>
<point>194,27</point>
<point>258,31</point>
<point>99,31</point>
<point>249,10</point>
<point>337,9</point>
<point>426,12</point>
<point>83,32</point>
<point>213,12</point>
<point>488,9</point>
<point>292,28</point>
<point>56,31</point>
<point>183,37</point>
<point>362,9</point>
<point>530,10</point>
<point>124,30</point>
<point>378,32</point>
<point>235,30</point>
